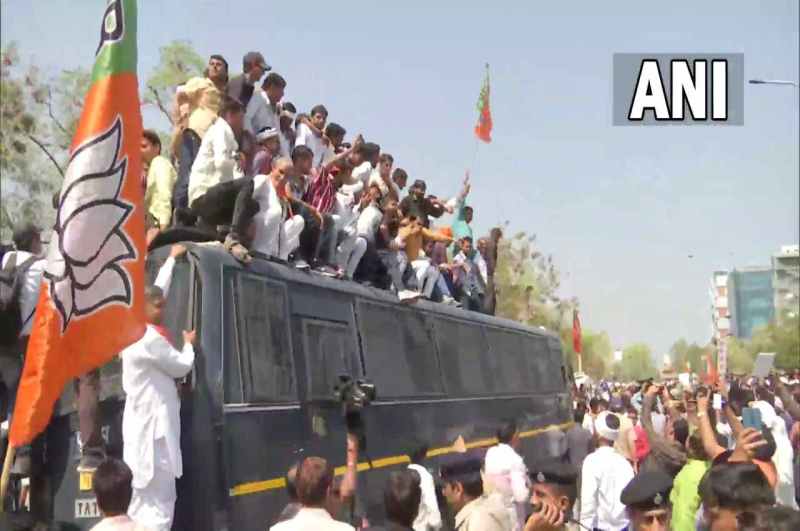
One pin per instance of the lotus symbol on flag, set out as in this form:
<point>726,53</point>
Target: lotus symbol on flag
<point>88,243</point>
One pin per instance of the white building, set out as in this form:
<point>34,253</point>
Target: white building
<point>720,312</point>
<point>786,280</point>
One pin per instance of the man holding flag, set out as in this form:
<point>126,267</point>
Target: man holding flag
<point>92,302</point>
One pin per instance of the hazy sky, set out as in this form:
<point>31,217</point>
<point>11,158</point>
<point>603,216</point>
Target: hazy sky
<point>620,208</point>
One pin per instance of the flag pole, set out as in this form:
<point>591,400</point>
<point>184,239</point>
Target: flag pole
<point>10,453</point>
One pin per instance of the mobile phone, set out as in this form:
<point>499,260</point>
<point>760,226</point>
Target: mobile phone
<point>717,402</point>
<point>751,418</point>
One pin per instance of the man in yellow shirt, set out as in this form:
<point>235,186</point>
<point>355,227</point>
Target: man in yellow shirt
<point>161,177</point>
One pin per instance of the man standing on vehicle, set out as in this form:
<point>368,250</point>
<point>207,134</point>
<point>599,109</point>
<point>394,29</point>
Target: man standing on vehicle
<point>151,427</point>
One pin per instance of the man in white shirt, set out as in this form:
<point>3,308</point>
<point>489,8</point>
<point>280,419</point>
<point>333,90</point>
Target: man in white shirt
<point>151,425</point>
<point>310,134</point>
<point>469,268</point>
<point>352,249</point>
<point>365,161</point>
<point>428,517</point>
<point>382,176</point>
<point>314,485</point>
<point>605,474</point>
<point>111,483</point>
<point>274,233</point>
<point>217,171</point>
<point>506,473</point>
<point>264,108</point>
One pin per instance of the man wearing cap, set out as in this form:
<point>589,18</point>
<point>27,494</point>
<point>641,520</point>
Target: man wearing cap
<point>241,87</point>
<point>463,490</point>
<point>646,498</point>
<point>264,109</point>
<point>605,473</point>
<point>554,488</point>
<point>269,147</point>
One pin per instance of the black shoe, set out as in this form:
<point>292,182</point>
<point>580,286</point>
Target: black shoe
<point>91,459</point>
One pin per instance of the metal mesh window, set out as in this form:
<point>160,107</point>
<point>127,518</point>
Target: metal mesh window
<point>399,351</point>
<point>263,341</point>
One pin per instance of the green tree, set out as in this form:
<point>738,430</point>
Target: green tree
<point>178,62</point>
<point>682,352</point>
<point>636,364</point>
<point>39,117</point>
<point>527,283</point>
<point>597,353</point>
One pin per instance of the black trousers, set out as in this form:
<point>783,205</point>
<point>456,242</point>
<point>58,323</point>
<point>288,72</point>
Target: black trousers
<point>218,204</point>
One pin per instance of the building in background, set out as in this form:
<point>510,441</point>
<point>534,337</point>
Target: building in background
<point>720,313</point>
<point>751,300</point>
<point>786,281</point>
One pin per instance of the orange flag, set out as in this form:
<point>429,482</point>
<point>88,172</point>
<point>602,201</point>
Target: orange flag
<point>576,332</point>
<point>483,129</point>
<point>91,304</point>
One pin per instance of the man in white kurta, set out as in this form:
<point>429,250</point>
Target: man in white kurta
<point>151,419</point>
<point>507,475</point>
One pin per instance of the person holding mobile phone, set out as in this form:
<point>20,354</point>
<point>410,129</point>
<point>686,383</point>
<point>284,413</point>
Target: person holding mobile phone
<point>554,488</point>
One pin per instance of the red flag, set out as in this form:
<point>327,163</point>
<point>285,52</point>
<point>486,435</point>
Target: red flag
<point>483,129</point>
<point>711,370</point>
<point>91,304</point>
<point>576,332</point>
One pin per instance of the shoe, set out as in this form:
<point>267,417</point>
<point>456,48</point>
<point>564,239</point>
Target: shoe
<point>91,459</point>
<point>408,296</point>
<point>301,264</point>
<point>238,250</point>
<point>450,301</point>
<point>328,271</point>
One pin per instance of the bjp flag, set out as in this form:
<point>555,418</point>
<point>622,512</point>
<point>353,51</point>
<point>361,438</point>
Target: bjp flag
<point>483,129</point>
<point>91,303</point>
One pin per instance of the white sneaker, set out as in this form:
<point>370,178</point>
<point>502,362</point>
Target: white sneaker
<point>407,295</point>
<point>450,301</point>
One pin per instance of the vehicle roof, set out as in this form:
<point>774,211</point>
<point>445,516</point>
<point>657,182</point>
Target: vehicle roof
<point>212,257</point>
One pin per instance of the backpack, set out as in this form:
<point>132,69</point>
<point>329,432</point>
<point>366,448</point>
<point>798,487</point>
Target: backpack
<point>12,277</point>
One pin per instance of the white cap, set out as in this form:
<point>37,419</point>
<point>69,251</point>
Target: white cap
<point>601,426</point>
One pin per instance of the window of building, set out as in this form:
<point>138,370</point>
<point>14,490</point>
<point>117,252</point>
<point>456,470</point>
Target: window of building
<point>399,351</point>
<point>263,340</point>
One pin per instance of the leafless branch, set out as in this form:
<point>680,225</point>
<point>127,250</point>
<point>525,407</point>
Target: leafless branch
<point>160,104</point>
<point>52,115</point>
<point>43,147</point>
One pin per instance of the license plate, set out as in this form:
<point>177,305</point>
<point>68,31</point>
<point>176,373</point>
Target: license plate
<point>87,508</point>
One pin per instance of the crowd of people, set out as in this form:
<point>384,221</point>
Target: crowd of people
<point>639,457</point>
<point>246,168</point>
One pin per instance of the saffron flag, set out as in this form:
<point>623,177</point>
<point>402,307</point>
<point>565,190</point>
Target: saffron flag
<point>91,303</point>
<point>483,129</point>
<point>576,332</point>
<point>711,370</point>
